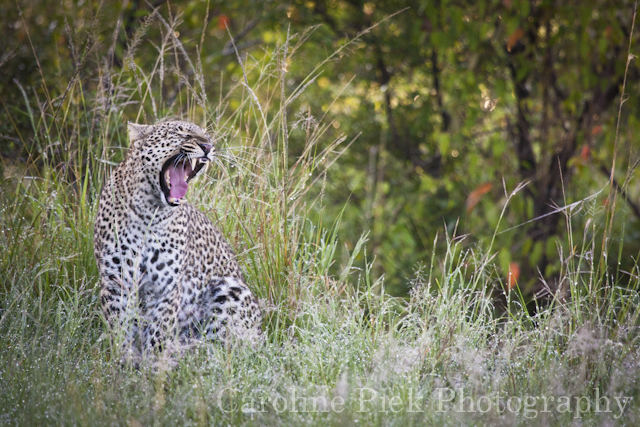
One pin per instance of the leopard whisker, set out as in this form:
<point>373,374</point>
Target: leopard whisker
<point>233,161</point>
<point>241,149</point>
<point>221,165</point>
<point>178,159</point>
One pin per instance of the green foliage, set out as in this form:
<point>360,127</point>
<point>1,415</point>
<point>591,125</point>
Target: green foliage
<point>442,98</point>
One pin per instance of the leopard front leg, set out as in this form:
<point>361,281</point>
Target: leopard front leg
<point>119,311</point>
<point>160,310</point>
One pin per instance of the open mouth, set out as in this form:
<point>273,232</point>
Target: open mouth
<point>176,174</point>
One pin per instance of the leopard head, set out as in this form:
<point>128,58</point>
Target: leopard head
<point>172,154</point>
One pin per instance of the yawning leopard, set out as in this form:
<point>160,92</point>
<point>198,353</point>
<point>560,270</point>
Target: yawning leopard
<point>166,271</point>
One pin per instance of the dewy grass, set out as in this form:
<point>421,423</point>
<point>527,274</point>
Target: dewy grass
<point>338,350</point>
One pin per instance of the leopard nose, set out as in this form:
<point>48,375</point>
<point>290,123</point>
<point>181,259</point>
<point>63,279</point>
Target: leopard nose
<point>206,148</point>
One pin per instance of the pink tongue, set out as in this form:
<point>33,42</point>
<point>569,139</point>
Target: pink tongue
<point>178,185</point>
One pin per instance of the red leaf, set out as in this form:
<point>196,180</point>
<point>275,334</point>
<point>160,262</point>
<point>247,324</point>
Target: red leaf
<point>514,38</point>
<point>514,274</point>
<point>223,22</point>
<point>584,153</point>
<point>476,195</point>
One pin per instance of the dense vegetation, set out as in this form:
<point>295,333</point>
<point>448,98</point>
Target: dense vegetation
<point>420,195</point>
<point>449,103</point>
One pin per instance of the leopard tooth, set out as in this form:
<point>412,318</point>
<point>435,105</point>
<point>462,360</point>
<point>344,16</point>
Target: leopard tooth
<point>193,163</point>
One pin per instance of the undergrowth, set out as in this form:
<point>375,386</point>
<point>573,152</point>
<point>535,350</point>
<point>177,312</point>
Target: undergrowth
<point>463,349</point>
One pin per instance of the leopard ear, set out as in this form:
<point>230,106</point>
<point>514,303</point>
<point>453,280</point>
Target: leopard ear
<point>137,132</point>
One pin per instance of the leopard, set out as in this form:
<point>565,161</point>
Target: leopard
<point>167,274</point>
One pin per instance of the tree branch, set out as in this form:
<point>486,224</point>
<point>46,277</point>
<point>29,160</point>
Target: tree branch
<point>634,206</point>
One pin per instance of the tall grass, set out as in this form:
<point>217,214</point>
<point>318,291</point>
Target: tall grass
<point>338,350</point>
